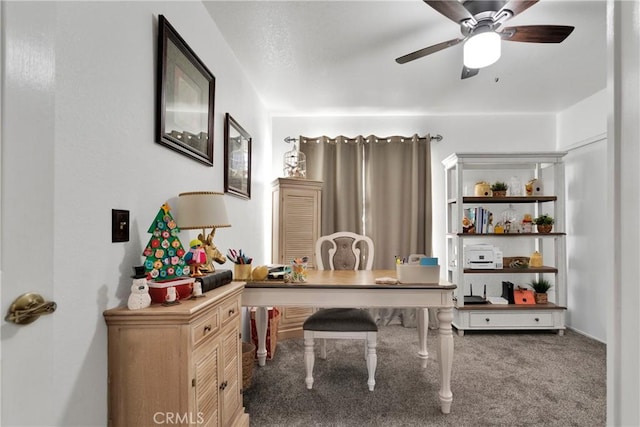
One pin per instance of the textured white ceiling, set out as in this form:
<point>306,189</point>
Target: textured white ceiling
<point>336,57</point>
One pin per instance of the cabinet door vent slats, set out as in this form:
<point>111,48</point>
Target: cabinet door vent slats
<point>207,387</point>
<point>296,219</point>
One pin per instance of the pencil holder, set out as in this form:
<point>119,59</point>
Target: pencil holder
<point>242,272</point>
<point>298,271</point>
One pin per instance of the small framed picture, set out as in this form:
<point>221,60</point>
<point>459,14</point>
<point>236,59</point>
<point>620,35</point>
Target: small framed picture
<point>237,159</point>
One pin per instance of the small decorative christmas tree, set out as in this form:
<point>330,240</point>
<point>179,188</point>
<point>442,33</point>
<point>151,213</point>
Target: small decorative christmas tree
<point>164,252</point>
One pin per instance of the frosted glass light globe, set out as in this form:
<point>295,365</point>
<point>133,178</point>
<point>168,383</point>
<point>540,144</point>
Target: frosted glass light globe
<point>481,50</point>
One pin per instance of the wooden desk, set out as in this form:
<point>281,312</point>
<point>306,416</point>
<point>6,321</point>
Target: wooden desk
<point>342,288</point>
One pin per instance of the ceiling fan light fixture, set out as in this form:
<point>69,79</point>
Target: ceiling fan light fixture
<point>481,50</point>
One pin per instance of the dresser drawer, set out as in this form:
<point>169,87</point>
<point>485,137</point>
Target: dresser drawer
<point>229,310</point>
<point>205,327</point>
<point>530,319</point>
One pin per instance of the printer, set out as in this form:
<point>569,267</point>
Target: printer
<point>482,256</point>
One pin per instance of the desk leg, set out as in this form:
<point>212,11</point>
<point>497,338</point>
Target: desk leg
<point>445,358</point>
<point>261,329</point>
<point>423,315</point>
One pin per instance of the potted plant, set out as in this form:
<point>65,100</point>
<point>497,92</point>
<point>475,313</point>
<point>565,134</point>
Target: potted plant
<point>499,189</point>
<point>540,287</point>
<point>544,223</point>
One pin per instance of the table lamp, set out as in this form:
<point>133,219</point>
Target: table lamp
<point>201,210</point>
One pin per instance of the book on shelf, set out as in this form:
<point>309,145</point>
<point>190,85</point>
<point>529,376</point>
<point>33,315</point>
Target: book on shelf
<point>477,220</point>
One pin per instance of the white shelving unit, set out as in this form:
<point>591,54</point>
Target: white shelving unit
<point>462,171</point>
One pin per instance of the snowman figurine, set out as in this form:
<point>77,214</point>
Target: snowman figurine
<point>139,297</point>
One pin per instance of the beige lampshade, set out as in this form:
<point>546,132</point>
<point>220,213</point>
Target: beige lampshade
<point>200,210</point>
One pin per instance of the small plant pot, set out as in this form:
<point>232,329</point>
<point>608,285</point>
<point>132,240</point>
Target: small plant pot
<point>544,228</point>
<point>499,193</point>
<point>541,298</point>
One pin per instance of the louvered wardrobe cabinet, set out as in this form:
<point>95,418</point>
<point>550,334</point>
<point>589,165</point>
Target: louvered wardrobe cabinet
<point>296,220</point>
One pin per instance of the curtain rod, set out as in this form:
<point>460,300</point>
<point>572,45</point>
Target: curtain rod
<point>436,137</point>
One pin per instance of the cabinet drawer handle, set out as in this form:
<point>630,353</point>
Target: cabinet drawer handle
<point>231,312</point>
<point>487,319</point>
<point>207,328</point>
<point>536,319</point>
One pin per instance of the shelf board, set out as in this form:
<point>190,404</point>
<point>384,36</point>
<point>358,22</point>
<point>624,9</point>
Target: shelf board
<point>543,269</point>
<point>514,307</point>
<point>552,234</point>
<point>508,199</point>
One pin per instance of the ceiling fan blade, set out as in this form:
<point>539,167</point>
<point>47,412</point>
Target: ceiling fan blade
<point>468,72</point>
<point>451,9</point>
<point>517,6</point>
<point>427,51</point>
<point>536,33</point>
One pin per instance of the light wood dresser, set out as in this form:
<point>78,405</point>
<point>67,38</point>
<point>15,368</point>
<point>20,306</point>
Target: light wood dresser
<point>296,222</point>
<point>177,365</point>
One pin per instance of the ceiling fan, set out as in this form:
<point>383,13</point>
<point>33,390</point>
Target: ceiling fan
<point>480,23</point>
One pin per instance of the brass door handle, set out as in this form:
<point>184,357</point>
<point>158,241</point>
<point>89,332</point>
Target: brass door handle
<point>27,308</point>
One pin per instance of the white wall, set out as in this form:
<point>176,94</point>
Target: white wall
<point>582,131</point>
<point>78,140</point>
<point>623,205</point>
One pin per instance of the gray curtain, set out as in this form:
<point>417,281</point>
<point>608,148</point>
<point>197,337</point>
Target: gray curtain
<point>397,184</point>
<point>380,187</point>
<point>337,162</point>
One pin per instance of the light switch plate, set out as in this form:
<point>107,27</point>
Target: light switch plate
<point>119,225</point>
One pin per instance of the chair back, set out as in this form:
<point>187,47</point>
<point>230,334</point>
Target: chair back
<point>341,251</point>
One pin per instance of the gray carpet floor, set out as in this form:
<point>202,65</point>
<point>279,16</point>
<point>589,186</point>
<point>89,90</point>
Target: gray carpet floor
<point>498,379</point>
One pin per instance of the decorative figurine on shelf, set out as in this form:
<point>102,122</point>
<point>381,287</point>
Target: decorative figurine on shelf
<point>196,257</point>
<point>533,187</point>
<point>172,296</point>
<point>139,297</point>
<point>527,223</point>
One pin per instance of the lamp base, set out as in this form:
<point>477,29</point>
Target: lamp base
<point>213,254</point>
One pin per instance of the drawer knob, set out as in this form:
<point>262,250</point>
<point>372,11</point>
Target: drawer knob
<point>207,328</point>
<point>231,312</point>
<point>537,319</point>
<point>487,319</point>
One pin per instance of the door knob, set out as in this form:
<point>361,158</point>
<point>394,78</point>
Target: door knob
<point>28,307</point>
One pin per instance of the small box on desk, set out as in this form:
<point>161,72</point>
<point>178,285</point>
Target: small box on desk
<point>272,330</point>
<point>416,273</point>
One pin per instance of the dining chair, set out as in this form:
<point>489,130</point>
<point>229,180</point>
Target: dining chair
<point>341,251</point>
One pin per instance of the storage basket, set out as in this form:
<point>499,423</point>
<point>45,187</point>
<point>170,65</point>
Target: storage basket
<point>415,273</point>
<point>515,261</point>
<point>247,364</point>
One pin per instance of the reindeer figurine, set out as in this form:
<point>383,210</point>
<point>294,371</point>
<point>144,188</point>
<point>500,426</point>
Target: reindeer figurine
<point>213,254</point>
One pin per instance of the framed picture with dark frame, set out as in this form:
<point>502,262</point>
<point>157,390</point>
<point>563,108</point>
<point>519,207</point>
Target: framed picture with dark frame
<point>237,158</point>
<point>185,98</point>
